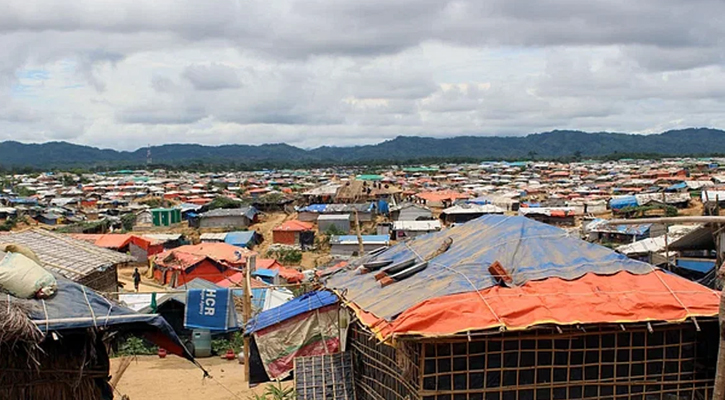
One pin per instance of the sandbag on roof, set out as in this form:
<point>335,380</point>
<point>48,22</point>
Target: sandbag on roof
<point>526,249</point>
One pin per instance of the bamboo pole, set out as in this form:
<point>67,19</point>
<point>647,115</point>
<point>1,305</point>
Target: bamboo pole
<point>361,246</point>
<point>719,389</point>
<point>247,314</point>
<point>125,362</point>
<point>718,392</point>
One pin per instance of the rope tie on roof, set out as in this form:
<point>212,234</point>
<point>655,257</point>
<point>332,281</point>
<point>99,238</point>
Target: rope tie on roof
<point>478,292</point>
<point>672,292</point>
<point>47,318</point>
<point>93,315</point>
<point>480,295</point>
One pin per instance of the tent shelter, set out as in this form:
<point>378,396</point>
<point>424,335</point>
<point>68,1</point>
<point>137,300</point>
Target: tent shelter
<point>510,308</point>
<point>305,326</point>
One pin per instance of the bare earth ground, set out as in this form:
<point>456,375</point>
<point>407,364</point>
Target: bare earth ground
<point>151,377</point>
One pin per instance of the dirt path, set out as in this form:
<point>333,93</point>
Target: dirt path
<point>265,228</point>
<point>148,285</point>
<point>151,377</point>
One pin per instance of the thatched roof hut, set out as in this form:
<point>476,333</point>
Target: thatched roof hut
<point>54,348</point>
<point>75,259</point>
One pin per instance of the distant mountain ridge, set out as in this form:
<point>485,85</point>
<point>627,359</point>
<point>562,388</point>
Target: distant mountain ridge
<point>554,144</point>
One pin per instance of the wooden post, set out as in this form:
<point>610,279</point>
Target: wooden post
<point>718,392</point>
<point>667,247</point>
<point>719,389</point>
<point>247,311</point>
<point>361,249</point>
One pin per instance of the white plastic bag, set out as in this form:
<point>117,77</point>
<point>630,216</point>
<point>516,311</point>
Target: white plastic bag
<point>24,278</point>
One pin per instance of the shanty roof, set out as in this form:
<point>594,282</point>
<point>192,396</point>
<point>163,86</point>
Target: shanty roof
<point>554,278</point>
<point>65,255</point>
<point>300,305</point>
<point>548,211</point>
<point>163,237</point>
<point>424,226</point>
<point>108,240</point>
<point>240,238</point>
<point>248,212</point>
<point>75,306</point>
<point>213,236</point>
<point>473,209</point>
<point>382,240</point>
<point>442,195</point>
<point>603,226</point>
<point>644,246</point>
<point>189,255</point>
<point>295,225</point>
<point>700,238</point>
<point>325,190</point>
<point>337,208</point>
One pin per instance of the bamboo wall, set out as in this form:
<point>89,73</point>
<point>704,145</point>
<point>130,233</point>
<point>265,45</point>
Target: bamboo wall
<point>614,362</point>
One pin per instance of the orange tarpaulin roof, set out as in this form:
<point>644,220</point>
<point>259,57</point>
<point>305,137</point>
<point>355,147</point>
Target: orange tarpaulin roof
<point>113,241</point>
<point>442,195</point>
<point>591,299</point>
<point>186,256</point>
<point>295,226</point>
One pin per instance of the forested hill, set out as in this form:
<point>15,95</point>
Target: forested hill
<point>555,144</point>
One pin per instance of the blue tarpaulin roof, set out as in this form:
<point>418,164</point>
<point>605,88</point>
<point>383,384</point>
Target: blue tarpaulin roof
<point>526,249</point>
<point>696,265</point>
<point>676,187</point>
<point>617,203</point>
<point>23,200</point>
<point>479,200</point>
<point>300,305</point>
<point>240,238</point>
<point>316,208</point>
<point>265,272</point>
<point>603,226</point>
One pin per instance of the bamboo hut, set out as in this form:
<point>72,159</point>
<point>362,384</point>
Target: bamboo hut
<point>75,259</point>
<point>510,308</point>
<point>54,348</point>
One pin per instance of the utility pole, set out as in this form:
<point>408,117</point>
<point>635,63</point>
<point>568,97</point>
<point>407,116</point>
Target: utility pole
<point>247,310</point>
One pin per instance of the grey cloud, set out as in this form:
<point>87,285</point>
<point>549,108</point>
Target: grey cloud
<point>166,115</point>
<point>289,28</point>
<point>348,72</point>
<point>212,77</point>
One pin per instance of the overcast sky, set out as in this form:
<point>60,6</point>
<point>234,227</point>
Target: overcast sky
<point>124,74</point>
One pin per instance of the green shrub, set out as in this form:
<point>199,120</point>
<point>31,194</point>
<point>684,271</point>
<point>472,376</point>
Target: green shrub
<point>287,256</point>
<point>275,391</point>
<point>134,346</point>
<point>236,343</point>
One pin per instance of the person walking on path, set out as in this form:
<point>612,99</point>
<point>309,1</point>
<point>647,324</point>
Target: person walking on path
<point>136,278</point>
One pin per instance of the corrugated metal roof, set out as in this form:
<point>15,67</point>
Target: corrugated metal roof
<point>248,212</point>
<point>367,239</point>
<point>425,226</point>
<point>213,236</point>
<point>473,209</point>
<point>163,237</point>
